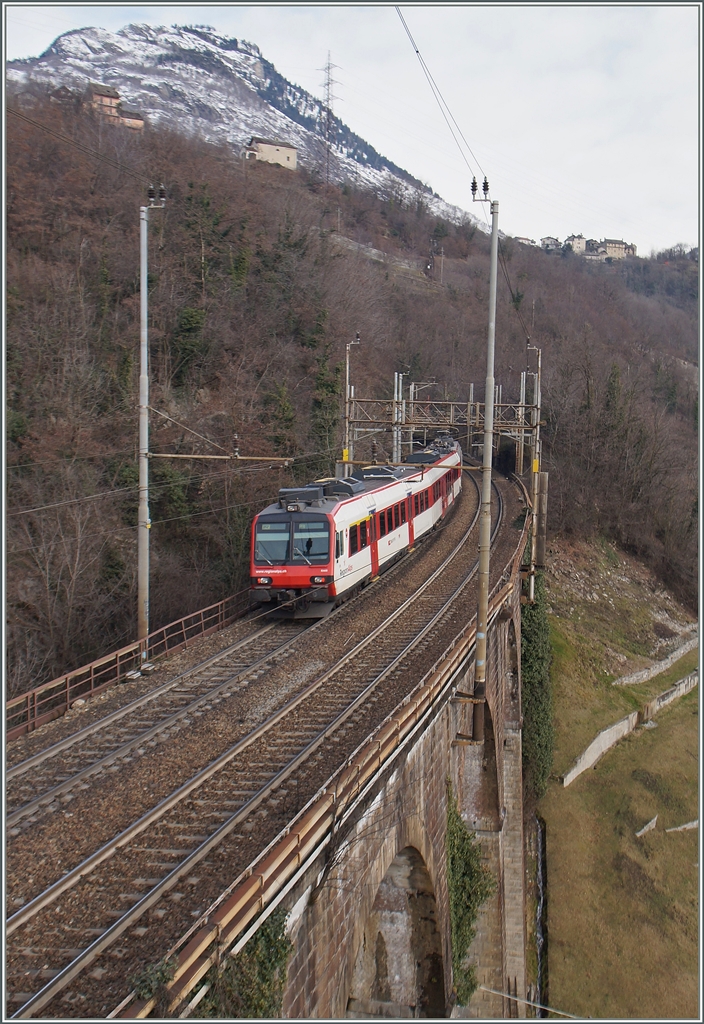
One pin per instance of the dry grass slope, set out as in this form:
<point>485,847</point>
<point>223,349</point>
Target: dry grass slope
<point>623,911</point>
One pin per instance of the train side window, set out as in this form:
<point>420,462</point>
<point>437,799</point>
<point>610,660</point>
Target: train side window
<point>416,509</point>
<point>339,543</point>
<point>403,511</point>
<point>389,519</point>
<point>363,534</point>
<point>354,540</point>
<point>382,524</point>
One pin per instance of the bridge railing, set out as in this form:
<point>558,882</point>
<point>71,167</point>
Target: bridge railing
<point>50,700</point>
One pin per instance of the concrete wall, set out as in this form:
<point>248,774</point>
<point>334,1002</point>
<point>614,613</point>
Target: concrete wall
<point>607,738</point>
<point>660,666</point>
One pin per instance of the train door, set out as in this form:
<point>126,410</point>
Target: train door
<point>339,556</point>
<point>374,543</point>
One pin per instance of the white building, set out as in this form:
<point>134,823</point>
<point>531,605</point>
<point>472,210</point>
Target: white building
<point>578,243</point>
<point>271,152</point>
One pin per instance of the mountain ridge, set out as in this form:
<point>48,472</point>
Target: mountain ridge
<point>194,78</point>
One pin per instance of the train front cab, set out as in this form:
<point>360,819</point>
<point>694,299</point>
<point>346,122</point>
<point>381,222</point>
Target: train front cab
<point>292,565</point>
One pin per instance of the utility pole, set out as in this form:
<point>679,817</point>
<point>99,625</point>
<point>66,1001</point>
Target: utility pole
<point>485,513</point>
<point>537,401</point>
<point>348,402</point>
<point>143,521</point>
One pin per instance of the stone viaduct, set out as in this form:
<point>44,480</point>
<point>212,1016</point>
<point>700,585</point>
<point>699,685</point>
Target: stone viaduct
<point>370,923</point>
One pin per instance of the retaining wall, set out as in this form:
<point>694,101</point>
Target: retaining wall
<point>660,666</point>
<point>609,737</point>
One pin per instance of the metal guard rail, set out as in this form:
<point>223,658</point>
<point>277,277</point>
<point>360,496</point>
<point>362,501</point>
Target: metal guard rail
<point>270,872</point>
<point>29,710</point>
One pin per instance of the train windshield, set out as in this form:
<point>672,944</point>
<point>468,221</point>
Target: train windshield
<point>311,541</point>
<point>272,541</point>
<point>286,540</point>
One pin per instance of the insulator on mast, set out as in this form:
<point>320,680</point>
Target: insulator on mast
<point>151,193</point>
<point>474,187</point>
<point>485,186</point>
<point>162,193</point>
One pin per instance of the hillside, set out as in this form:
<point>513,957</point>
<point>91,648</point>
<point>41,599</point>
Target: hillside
<point>610,616</point>
<point>252,301</point>
<point>195,81</point>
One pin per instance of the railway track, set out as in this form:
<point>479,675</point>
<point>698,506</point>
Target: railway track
<point>41,780</point>
<point>42,783</point>
<point>220,807</point>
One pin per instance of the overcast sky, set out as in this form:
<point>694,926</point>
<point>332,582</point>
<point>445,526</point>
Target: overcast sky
<point>584,117</point>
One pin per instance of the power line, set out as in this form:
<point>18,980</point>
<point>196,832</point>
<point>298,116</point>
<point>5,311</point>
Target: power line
<point>69,501</point>
<point>86,150</point>
<point>438,96</point>
<point>528,1002</point>
<point>442,103</point>
<point>304,456</point>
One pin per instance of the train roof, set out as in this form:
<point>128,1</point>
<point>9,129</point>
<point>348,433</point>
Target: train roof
<point>324,495</point>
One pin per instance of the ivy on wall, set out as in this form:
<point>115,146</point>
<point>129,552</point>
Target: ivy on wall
<point>251,984</point>
<point>538,728</point>
<point>470,884</point>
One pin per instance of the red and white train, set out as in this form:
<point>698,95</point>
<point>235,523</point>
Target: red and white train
<point>320,543</point>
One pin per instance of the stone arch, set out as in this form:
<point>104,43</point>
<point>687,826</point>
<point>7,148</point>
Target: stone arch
<point>513,689</point>
<point>489,818</point>
<point>399,966</point>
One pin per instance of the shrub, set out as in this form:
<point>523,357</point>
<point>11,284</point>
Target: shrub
<point>538,729</point>
<point>251,984</point>
<point>470,884</point>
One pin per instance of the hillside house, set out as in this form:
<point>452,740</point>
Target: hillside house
<point>550,244</point>
<point>271,152</point>
<point>106,101</point>
<point>132,119</point>
<point>525,241</point>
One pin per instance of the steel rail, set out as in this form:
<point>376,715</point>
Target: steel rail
<point>68,741</point>
<point>86,679</point>
<point>41,998</point>
<point>148,734</point>
<point>327,810</point>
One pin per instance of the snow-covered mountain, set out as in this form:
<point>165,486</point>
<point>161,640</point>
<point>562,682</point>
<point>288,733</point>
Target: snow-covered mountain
<point>195,80</point>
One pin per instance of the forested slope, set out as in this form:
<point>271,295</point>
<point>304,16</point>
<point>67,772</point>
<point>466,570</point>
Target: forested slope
<point>251,304</point>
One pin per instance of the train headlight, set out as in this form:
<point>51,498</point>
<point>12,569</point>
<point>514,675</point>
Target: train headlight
<point>317,579</point>
<point>264,580</point>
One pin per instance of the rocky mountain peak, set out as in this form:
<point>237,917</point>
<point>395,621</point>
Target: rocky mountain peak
<point>193,79</point>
